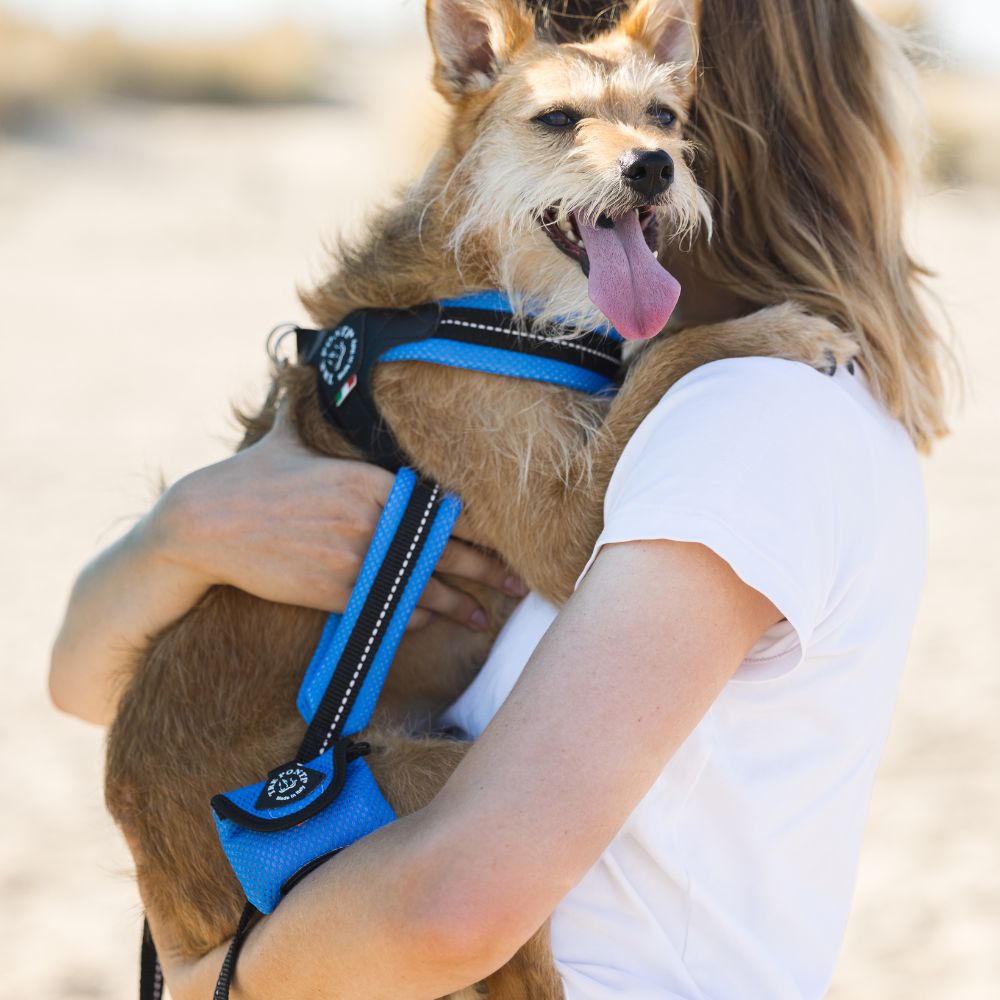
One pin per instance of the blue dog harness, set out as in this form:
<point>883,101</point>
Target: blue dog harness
<point>326,797</point>
<point>475,332</point>
<point>277,830</point>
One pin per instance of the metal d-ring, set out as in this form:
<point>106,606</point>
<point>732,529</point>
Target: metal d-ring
<point>274,341</point>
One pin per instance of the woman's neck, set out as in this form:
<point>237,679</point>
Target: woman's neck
<point>702,300</point>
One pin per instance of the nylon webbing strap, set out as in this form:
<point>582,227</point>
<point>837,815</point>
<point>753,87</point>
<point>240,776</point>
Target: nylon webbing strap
<point>342,683</point>
<point>225,982</point>
<point>150,973</point>
<point>364,643</point>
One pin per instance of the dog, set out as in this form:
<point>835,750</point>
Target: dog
<point>564,167</point>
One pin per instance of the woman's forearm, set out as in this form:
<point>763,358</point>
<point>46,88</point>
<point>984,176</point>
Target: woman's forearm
<point>274,520</point>
<point>373,926</point>
<point>124,596</point>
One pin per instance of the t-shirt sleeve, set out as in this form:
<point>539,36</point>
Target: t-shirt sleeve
<point>752,458</point>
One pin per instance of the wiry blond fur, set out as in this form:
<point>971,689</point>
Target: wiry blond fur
<point>212,703</point>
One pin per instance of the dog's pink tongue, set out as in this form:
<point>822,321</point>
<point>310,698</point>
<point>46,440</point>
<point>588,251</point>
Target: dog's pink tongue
<point>626,281</point>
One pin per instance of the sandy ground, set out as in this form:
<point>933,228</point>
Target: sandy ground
<point>144,253</point>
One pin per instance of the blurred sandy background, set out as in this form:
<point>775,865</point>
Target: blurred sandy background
<point>166,176</point>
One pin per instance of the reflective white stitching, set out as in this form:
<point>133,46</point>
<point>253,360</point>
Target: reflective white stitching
<point>530,336</point>
<point>376,628</point>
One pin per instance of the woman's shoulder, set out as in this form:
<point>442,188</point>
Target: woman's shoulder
<point>769,436</point>
<point>784,408</point>
<point>794,477</point>
<point>767,384</point>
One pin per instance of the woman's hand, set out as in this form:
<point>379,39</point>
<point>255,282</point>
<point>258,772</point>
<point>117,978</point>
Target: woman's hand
<point>286,525</point>
<point>274,520</point>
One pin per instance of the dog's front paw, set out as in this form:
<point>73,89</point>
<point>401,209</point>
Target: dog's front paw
<point>798,335</point>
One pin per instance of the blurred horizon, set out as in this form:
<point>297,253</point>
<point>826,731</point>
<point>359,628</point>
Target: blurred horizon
<point>966,32</point>
<point>58,57</point>
<point>188,19</point>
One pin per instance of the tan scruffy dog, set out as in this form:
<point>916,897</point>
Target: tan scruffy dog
<point>561,165</point>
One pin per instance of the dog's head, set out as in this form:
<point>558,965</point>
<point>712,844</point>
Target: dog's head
<point>567,160</point>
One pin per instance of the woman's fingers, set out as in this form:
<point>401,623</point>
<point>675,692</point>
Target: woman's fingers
<point>463,560</point>
<point>420,618</point>
<point>454,604</point>
<point>291,526</point>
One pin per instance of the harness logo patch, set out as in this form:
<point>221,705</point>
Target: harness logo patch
<point>338,357</point>
<point>287,785</point>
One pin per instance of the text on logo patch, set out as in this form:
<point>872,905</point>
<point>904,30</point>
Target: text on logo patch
<point>338,356</point>
<point>288,784</point>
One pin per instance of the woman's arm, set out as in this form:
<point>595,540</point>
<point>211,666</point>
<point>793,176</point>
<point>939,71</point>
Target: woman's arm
<point>274,520</point>
<point>443,897</point>
<point>126,594</point>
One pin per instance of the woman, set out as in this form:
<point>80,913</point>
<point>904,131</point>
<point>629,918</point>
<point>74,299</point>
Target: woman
<point>677,765</point>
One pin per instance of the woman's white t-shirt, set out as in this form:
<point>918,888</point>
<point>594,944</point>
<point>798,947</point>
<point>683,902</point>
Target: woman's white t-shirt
<point>732,879</point>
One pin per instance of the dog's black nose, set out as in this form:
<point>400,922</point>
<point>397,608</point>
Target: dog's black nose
<point>648,171</point>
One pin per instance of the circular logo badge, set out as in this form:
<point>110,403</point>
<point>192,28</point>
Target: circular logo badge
<point>288,785</point>
<point>338,355</point>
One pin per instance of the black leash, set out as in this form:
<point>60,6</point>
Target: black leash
<point>225,982</point>
<point>150,973</point>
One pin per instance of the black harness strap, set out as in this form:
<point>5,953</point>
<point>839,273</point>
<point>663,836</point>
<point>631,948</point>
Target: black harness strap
<point>343,360</point>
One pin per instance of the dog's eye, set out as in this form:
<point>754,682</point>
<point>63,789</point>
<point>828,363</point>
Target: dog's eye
<point>663,117</point>
<point>558,119</point>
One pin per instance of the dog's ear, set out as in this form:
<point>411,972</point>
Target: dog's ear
<point>473,40</point>
<point>667,28</point>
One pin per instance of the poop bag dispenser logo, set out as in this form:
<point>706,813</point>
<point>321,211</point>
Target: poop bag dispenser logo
<point>288,784</point>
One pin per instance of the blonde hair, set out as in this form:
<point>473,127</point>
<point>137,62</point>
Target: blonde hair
<point>806,150</point>
<point>808,155</point>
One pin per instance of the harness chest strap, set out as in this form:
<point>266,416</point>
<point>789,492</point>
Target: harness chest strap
<point>474,333</point>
